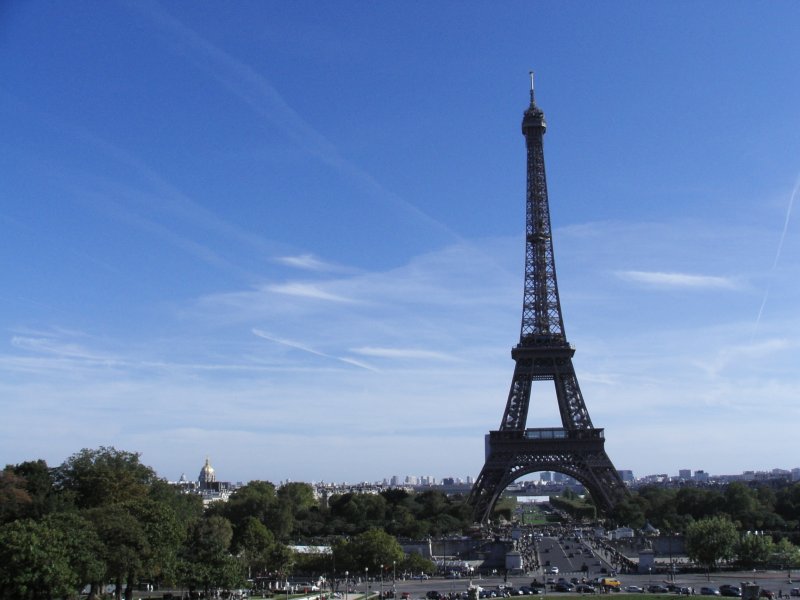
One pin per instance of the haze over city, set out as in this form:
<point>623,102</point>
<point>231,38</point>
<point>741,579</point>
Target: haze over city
<point>289,236</point>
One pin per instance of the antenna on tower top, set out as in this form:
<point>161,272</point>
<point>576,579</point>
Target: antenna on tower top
<point>531,74</point>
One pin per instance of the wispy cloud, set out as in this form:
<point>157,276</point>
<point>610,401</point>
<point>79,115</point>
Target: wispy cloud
<point>777,254</point>
<point>308,262</point>
<point>306,290</point>
<point>60,349</point>
<point>743,354</point>
<point>678,280</point>
<point>299,346</point>
<point>402,353</point>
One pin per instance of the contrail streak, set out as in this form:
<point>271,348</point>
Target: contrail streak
<point>777,255</point>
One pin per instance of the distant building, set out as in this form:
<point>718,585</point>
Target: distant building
<point>626,475</point>
<point>685,474</point>
<point>546,476</point>
<point>701,476</point>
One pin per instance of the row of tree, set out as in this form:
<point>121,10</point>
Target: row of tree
<point>775,509</point>
<point>104,517</point>
<point>715,539</point>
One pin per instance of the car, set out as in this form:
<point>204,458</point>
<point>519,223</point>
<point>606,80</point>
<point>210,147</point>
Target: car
<point>433,595</point>
<point>536,584</point>
<point>583,588</point>
<point>684,591</point>
<point>795,592</point>
<point>731,591</point>
<point>552,569</point>
<point>709,591</point>
<point>564,586</point>
<point>405,596</point>
<point>611,583</point>
<point>657,588</point>
<point>767,594</point>
<point>634,589</point>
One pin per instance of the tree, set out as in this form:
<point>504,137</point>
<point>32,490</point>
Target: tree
<point>416,563</point>
<point>710,540</point>
<point>15,501</point>
<point>103,476</point>
<point>787,554</point>
<point>207,560</point>
<point>81,545</point>
<point>255,543</point>
<point>753,550</point>
<point>367,550</point>
<point>124,544</point>
<point>162,534</point>
<point>34,560</point>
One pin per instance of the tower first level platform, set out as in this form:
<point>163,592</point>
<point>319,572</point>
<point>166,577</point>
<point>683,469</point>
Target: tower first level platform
<point>578,453</point>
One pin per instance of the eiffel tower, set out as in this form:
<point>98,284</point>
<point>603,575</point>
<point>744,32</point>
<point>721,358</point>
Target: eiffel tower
<point>543,354</point>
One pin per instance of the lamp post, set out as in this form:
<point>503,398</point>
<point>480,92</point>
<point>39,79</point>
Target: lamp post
<point>346,583</point>
<point>366,583</point>
<point>381,581</point>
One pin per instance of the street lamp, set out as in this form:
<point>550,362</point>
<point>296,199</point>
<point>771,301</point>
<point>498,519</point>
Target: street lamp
<point>346,583</point>
<point>381,581</point>
<point>366,583</point>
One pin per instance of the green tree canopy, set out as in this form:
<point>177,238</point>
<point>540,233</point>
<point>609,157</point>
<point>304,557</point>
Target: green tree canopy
<point>35,564</point>
<point>710,540</point>
<point>103,476</point>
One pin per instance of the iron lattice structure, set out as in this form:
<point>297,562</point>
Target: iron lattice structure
<point>543,354</point>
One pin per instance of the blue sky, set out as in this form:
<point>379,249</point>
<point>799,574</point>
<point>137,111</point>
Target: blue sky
<point>288,235</point>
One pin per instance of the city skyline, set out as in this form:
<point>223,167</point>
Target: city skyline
<point>289,236</point>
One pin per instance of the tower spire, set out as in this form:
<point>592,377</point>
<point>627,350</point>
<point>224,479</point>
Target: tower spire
<point>533,101</point>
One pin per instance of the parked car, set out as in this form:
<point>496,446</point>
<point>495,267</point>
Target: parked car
<point>634,589</point>
<point>564,586</point>
<point>795,592</point>
<point>657,588</point>
<point>552,569</point>
<point>433,595</point>
<point>767,594</point>
<point>731,591</point>
<point>709,591</point>
<point>583,588</point>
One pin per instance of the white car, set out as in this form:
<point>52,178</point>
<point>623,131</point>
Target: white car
<point>552,569</point>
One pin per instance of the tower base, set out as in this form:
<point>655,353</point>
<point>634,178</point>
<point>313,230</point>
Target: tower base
<point>577,453</point>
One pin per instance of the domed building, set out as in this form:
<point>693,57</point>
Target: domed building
<point>210,489</point>
<point>207,476</point>
<point>206,485</point>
